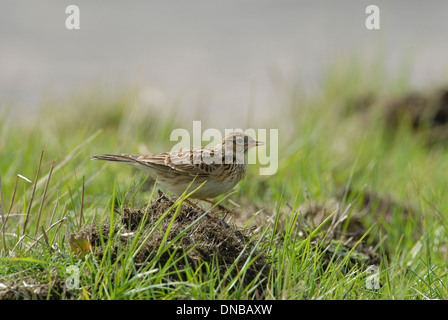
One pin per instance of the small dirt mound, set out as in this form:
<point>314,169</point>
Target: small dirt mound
<point>382,207</point>
<point>343,235</point>
<point>425,112</point>
<point>203,238</point>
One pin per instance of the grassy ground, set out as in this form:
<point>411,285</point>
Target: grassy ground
<point>355,210</point>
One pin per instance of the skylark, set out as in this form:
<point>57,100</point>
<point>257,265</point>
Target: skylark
<point>220,167</point>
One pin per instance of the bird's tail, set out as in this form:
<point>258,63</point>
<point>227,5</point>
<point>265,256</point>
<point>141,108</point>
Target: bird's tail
<point>124,158</point>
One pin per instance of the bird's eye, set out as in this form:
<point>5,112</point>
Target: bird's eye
<point>239,140</point>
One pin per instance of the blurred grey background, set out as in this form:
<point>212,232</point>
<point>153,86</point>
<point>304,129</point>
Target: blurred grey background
<point>214,54</point>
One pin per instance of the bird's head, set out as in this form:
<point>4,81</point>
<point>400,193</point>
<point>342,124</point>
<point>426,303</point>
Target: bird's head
<point>239,142</point>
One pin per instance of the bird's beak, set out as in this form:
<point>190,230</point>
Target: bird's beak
<point>255,143</point>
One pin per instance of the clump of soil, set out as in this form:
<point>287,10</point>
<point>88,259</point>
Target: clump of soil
<point>424,111</point>
<point>382,207</point>
<point>344,233</point>
<point>210,239</point>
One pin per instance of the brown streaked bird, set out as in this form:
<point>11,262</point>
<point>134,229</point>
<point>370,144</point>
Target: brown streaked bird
<point>220,167</point>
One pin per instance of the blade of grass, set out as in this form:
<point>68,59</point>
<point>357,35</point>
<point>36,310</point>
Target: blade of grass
<point>55,208</point>
<point>45,238</point>
<point>31,260</point>
<point>2,209</point>
<point>32,194</point>
<point>64,212</point>
<point>43,199</point>
<point>40,237</point>
<point>82,204</point>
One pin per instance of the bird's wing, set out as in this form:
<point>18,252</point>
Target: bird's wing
<point>195,161</point>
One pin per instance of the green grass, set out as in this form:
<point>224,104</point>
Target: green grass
<point>321,149</point>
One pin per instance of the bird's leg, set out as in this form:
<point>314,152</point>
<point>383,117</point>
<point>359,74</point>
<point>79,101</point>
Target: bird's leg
<point>220,207</point>
<point>192,204</point>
